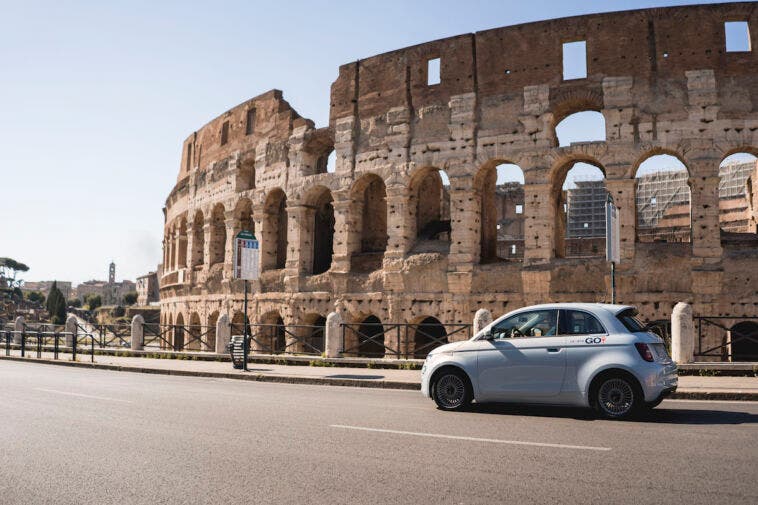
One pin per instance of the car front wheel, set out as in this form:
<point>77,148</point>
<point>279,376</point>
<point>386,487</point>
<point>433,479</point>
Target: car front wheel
<point>617,397</point>
<point>452,390</point>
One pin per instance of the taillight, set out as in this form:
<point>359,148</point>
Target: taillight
<point>645,352</point>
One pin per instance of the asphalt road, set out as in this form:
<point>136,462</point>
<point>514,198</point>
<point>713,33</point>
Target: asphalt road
<point>77,436</point>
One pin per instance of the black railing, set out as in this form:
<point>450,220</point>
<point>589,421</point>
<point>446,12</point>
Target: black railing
<point>34,342</point>
<point>727,338</point>
<point>179,337</point>
<point>109,335</point>
<point>284,339</point>
<point>399,340</point>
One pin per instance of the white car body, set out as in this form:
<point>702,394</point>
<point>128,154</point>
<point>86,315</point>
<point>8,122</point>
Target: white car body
<point>555,368</point>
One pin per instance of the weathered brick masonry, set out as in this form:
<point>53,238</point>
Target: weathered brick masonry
<point>661,78</point>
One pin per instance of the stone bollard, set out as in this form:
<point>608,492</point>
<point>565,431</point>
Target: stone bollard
<point>223,333</point>
<point>482,318</point>
<point>72,328</point>
<point>682,333</point>
<point>138,333</point>
<point>333,346</point>
<point>18,327</point>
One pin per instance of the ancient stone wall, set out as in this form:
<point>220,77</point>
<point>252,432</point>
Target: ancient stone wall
<point>386,235</point>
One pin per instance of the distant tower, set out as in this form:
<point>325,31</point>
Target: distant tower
<point>112,273</point>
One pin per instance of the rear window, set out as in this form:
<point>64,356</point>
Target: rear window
<point>629,319</point>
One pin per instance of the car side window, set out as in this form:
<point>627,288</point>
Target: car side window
<point>537,323</point>
<point>576,322</point>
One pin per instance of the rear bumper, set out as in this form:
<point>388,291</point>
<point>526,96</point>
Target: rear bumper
<point>660,381</point>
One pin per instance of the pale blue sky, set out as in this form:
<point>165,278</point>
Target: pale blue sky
<point>96,98</point>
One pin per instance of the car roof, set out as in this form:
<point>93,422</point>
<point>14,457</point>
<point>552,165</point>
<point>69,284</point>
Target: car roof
<point>613,309</point>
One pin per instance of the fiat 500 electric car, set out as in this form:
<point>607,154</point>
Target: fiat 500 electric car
<point>582,354</point>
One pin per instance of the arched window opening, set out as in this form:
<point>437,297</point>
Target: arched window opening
<point>323,233</point>
<point>369,211</point>
<point>580,230</point>
<point>211,335</point>
<point>178,340</point>
<point>580,127</point>
<point>662,200</point>
<point>428,334</point>
<point>198,240</point>
<point>743,339</point>
<point>182,244</point>
<point>243,216</point>
<point>431,191</point>
<point>738,194</point>
<point>218,235</point>
<point>371,338</point>
<point>502,213</point>
<point>274,234</point>
<point>238,324</point>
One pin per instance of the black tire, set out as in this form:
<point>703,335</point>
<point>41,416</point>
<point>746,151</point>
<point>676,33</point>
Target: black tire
<point>616,395</point>
<point>452,390</point>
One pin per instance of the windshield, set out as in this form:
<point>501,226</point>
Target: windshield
<point>629,319</point>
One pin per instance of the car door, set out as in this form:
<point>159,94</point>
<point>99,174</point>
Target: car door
<point>525,359</point>
<point>585,337</point>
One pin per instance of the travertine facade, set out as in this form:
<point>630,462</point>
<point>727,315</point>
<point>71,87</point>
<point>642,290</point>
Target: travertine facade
<point>384,236</point>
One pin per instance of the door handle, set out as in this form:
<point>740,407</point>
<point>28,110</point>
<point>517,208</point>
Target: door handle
<point>553,349</point>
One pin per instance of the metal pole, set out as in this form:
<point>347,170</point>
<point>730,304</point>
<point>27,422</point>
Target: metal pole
<point>245,346</point>
<point>613,282</point>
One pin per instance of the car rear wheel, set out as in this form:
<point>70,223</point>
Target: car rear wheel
<point>617,397</point>
<point>452,390</point>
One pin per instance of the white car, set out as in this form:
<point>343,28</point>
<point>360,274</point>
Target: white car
<point>583,354</point>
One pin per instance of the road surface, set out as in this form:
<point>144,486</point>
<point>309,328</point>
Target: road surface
<point>78,436</point>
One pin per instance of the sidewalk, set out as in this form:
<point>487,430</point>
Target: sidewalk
<point>690,387</point>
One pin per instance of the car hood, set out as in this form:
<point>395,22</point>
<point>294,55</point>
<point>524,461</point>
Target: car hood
<point>446,348</point>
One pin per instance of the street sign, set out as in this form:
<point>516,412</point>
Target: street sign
<point>246,256</point>
<point>612,232</point>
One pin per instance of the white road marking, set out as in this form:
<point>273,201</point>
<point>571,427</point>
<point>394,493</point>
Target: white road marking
<point>68,393</point>
<point>473,439</point>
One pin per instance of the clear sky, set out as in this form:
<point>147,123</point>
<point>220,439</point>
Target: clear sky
<point>97,96</point>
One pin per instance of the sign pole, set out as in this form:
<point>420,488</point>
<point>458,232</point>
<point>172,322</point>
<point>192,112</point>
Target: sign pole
<point>613,282</point>
<point>612,241</point>
<point>245,343</point>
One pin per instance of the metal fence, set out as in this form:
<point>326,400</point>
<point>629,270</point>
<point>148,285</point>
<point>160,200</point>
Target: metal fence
<point>36,341</point>
<point>179,337</point>
<point>726,338</point>
<point>399,340</point>
<point>284,339</point>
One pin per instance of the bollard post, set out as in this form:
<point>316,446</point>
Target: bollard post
<point>223,333</point>
<point>138,333</point>
<point>682,333</point>
<point>333,347</point>
<point>71,329</point>
<point>482,318</point>
<point>18,328</point>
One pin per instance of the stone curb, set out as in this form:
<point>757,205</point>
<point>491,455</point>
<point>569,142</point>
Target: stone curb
<point>326,381</point>
<point>252,376</point>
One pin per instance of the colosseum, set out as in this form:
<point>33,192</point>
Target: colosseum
<point>439,186</point>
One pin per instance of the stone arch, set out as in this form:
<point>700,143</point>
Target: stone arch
<point>195,333</point>
<point>211,335</point>
<point>663,202</point>
<point>273,334</point>
<point>218,235</point>
<point>274,233</point>
<point>428,333</point>
<point>313,334</point>
<point>198,240</point>
<point>657,151</point>
<point>579,194</point>
<point>243,216</point>
<point>581,126</point>
<point>181,255</point>
<point>738,198</point>
<point>371,338</point>
<point>570,101</point>
<point>238,323</point>
<point>367,233</point>
<point>744,341</point>
<point>429,201</point>
<point>179,330</point>
<point>322,229</point>
<point>499,185</point>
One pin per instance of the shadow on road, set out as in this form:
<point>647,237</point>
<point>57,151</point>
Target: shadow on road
<point>658,415</point>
